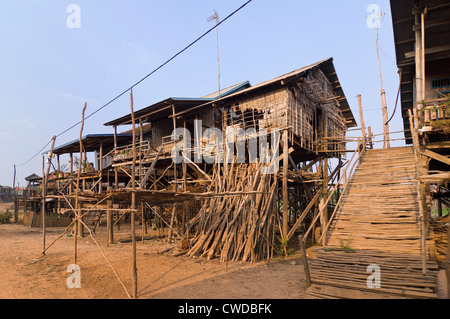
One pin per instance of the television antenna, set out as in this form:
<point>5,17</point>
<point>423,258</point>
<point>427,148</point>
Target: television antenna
<point>215,18</point>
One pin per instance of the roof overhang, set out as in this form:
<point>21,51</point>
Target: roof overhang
<point>437,43</point>
<point>91,143</point>
<point>327,68</point>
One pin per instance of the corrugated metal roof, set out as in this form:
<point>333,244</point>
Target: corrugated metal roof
<point>156,110</point>
<point>90,141</point>
<point>328,69</point>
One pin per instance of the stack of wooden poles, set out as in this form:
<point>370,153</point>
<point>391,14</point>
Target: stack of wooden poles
<point>238,222</point>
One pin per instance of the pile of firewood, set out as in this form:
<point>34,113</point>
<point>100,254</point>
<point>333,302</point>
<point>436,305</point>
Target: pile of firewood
<point>440,229</point>
<point>237,222</point>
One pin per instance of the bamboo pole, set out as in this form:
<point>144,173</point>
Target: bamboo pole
<point>285,184</point>
<point>44,189</point>
<point>133,200</point>
<point>16,214</point>
<point>363,127</point>
<point>77,194</point>
<point>144,226</point>
<point>305,261</point>
<point>420,191</point>
<point>447,262</point>
<point>174,120</point>
<point>116,169</point>
<point>107,260</point>
<point>324,208</point>
<point>386,143</point>
<point>109,223</point>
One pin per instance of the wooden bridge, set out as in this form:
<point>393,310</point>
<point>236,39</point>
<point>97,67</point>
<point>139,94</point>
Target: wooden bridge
<point>378,224</point>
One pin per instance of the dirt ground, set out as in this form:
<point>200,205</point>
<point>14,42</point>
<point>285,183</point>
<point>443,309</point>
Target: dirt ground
<point>25,274</point>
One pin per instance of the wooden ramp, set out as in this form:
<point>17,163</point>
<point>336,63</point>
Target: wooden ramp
<point>377,224</point>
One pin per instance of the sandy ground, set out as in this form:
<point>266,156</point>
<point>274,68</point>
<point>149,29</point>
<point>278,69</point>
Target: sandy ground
<point>26,274</point>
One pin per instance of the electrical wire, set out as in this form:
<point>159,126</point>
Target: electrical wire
<point>143,79</point>
<point>398,95</point>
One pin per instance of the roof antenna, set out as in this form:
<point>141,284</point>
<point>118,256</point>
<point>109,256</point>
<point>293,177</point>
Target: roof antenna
<point>215,17</point>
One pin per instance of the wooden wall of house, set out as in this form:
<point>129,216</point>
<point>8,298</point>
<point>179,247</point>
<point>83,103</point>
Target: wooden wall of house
<point>164,127</point>
<point>313,111</point>
<point>436,70</point>
<point>271,104</point>
<point>160,129</point>
<point>308,106</point>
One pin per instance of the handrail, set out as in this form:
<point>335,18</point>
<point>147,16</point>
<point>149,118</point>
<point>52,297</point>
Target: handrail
<point>362,144</point>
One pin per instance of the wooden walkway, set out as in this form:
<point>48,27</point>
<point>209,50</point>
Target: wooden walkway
<point>377,224</point>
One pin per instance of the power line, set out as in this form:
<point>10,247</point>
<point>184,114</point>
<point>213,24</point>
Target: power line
<point>37,153</point>
<point>144,78</point>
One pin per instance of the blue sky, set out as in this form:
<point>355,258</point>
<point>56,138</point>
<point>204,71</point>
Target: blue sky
<point>48,71</point>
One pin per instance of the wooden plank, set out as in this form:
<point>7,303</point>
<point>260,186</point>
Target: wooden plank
<point>302,216</point>
<point>150,170</point>
<point>436,156</point>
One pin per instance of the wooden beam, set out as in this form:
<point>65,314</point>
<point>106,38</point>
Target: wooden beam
<point>303,215</point>
<point>150,170</point>
<point>436,156</point>
<point>305,261</point>
<point>285,183</point>
<point>196,167</point>
<point>133,202</point>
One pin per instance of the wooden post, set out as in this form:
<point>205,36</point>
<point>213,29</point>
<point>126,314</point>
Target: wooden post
<point>172,217</point>
<point>324,195</point>
<point>116,169</point>
<point>447,262</point>
<point>133,201</point>
<point>369,129</point>
<point>305,261</point>
<point>285,183</point>
<point>144,225</point>
<point>109,222</point>
<point>386,142</point>
<point>363,127</point>
<point>78,224</point>
<point>71,163</point>
<point>420,188</point>
<point>16,212</point>
<point>174,164</point>
<point>419,89</point>
<point>44,190</point>
<point>100,168</point>
<point>184,164</point>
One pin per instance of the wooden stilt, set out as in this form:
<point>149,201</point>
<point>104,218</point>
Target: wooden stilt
<point>44,190</point>
<point>420,190</point>
<point>77,204</point>
<point>305,261</point>
<point>325,195</point>
<point>447,262</point>
<point>285,183</point>
<point>133,201</point>
<point>361,117</point>
<point>109,223</point>
<point>16,211</point>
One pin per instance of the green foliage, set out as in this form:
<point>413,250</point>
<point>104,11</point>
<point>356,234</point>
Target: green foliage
<point>346,246</point>
<point>282,249</point>
<point>443,124</point>
<point>5,217</point>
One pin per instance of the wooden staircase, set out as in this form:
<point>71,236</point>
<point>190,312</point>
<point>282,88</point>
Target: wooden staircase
<point>377,224</point>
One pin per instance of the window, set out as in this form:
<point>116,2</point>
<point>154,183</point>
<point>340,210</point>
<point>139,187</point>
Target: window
<point>440,83</point>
